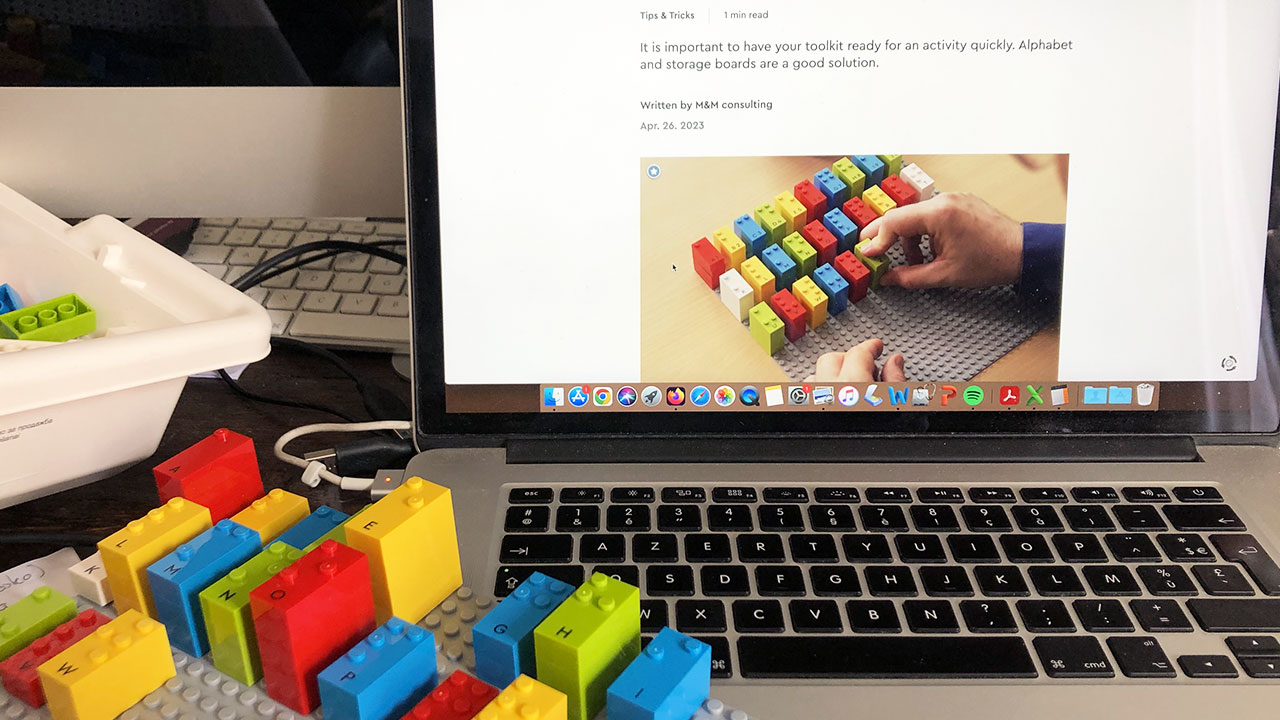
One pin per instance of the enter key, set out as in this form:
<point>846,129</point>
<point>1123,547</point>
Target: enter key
<point>1246,550</point>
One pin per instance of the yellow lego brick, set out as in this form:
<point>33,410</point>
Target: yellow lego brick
<point>527,699</point>
<point>773,224</point>
<point>875,199</point>
<point>851,175</point>
<point>102,675</point>
<point>892,164</point>
<point>128,552</point>
<point>813,300</point>
<point>273,513</point>
<point>791,210</point>
<point>730,246</point>
<point>759,278</point>
<point>412,545</point>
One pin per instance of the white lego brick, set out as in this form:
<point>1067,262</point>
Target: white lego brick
<point>918,179</point>
<point>736,294</point>
<point>90,581</point>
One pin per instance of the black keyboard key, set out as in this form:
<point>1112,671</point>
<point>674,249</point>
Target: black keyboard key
<point>1203,517</point>
<point>673,518</point>
<point>1222,580</point>
<point>1243,646</point>
<point>757,616</point>
<point>1139,517</point>
<point>684,495</point>
<point>837,581</point>
<point>1185,547</point>
<point>873,616</point>
<point>883,518</point>
<point>1261,667</point>
<point>1088,518</point>
<point>940,495</point>
<point>510,576</point>
<point>945,581</point>
<point>536,549</point>
<point>1230,615</point>
<point>780,580</point>
<point>627,518</point>
<point>930,616</point>
<point>992,495</point>
<point>988,616</point>
<point>1094,494</point>
<point>836,495</point>
<point>582,495</point>
<point>973,548</point>
<point>1055,580</point>
<point>577,518</point>
<point>885,657</point>
<point>730,517</point>
<point>725,580</point>
<point>1102,616</point>
<point>1073,657</point>
<point>528,519</point>
<point>530,495</point>
<point>602,549</point>
<point>786,518</point>
<point>655,548</point>
<point>815,616</point>
<point>1026,548</point>
<point>985,518</point>
<point>1197,494</point>
<point>700,616</point>
<point>1207,666</point>
<point>1141,656</point>
<point>1037,518</point>
<point>653,616</point>
<point>934,518</point>
<point>1043,495</point>
<point>888,495</point>
<point>721,663</point>
<point>920,549</point>
<point>629,574</point>
<point>760,548</point>
<point>1001,581</point>
<point>1111,580</point>
<point>733,495</point>
<point>1160,615</point>
<point>707,548</point>
<point>786,495</point>
<point>1045,616</point>
<point>890,581</point>
<point>631,495</point>
<point>813,548</point>
<point>1245,549</point>
<point>1150,494</point>
<point>866,548</point>
<point>1166,580</point>
<point>664,580</point>
<point>1132,547</point>
<point>1079,548</point>
<point>832,518</point>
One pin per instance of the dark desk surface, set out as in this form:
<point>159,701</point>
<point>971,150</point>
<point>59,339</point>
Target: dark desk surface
<point>101,508</point>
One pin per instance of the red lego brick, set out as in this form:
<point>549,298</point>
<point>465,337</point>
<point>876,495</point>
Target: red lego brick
<point>855,273</point>
<point>307,616</point>
<point>459,697</point>
<point>18,672</point>
<point>822,240</point>
<point>791,312</point>
<point>708,263</point>
<point>220,472</point>
<point>858,212</point>
<point>814,202</point>
<point>899,191</point>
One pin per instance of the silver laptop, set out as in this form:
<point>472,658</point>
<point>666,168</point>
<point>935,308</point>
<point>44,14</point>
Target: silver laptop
<point>922,361</point>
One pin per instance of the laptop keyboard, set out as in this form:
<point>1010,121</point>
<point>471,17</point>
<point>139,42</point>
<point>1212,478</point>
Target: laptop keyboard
<point>926,582</point>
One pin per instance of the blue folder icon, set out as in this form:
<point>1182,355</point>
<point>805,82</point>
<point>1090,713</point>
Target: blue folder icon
<point>1095,395</point>
<point>1117,395</point>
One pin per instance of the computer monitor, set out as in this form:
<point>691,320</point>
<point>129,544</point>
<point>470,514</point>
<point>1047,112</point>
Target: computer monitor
<point>202,108</point>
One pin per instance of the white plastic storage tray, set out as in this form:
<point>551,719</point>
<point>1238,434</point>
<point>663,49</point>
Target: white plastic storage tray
<point>75,412</point>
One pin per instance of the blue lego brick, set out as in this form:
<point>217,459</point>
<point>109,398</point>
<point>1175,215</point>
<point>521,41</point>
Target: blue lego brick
<point>503,639</point>
<point>871,166</point>
<point>313,527</point>
<point>668,681</point>
<point>9,299</point>
<point>751,234</point>
<point>831,186</point>
<point>781,265</point>
<point>835,286</point>
<point>177,579</point>
<point>839,224</point>
<point>382,676</point>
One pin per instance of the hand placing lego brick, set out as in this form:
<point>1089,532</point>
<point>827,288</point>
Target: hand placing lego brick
<point>858,365</point>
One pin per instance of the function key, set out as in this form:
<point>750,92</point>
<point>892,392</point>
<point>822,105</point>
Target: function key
<point>582,495</point>
<point>888,495</point>
<point>786,495</point>
<point>1094,494</point>
<point>631,495</point>
<point>1145,494</point>
<point>940,495</point>
<point>733,494</point>
<point>991,495</point>
<point>530,495</point>
<point>683,494</point>
<point>1043,495</point>
<point>836,495</point>
<point>1197,494</point>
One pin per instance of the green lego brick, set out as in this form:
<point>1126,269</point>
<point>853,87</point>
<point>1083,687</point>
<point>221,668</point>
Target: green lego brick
<point>772,222</point>
<point>228,619</point>
<point>339,533</point>
<point>33,617</point>
<point>802,252</point>
<point>892,164</point>
<point>57,320</point>
<point>767,328</point>
<point>877,265</point>
<point>851,175</point>
<point>588,641</point>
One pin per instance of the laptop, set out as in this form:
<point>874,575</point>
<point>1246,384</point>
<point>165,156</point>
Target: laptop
<point>920,361</point>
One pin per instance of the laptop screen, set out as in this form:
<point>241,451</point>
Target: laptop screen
<point>971,216</point>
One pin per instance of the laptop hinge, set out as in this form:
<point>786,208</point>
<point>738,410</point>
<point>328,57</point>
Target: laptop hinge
<point>861,449</point>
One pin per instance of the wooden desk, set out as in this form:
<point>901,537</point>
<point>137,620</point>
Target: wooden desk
<point>103,507</point>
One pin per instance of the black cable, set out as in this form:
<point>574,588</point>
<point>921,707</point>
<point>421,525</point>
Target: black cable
<point>39,538</point>
<point>378,249</point>
<point>249,394</point>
